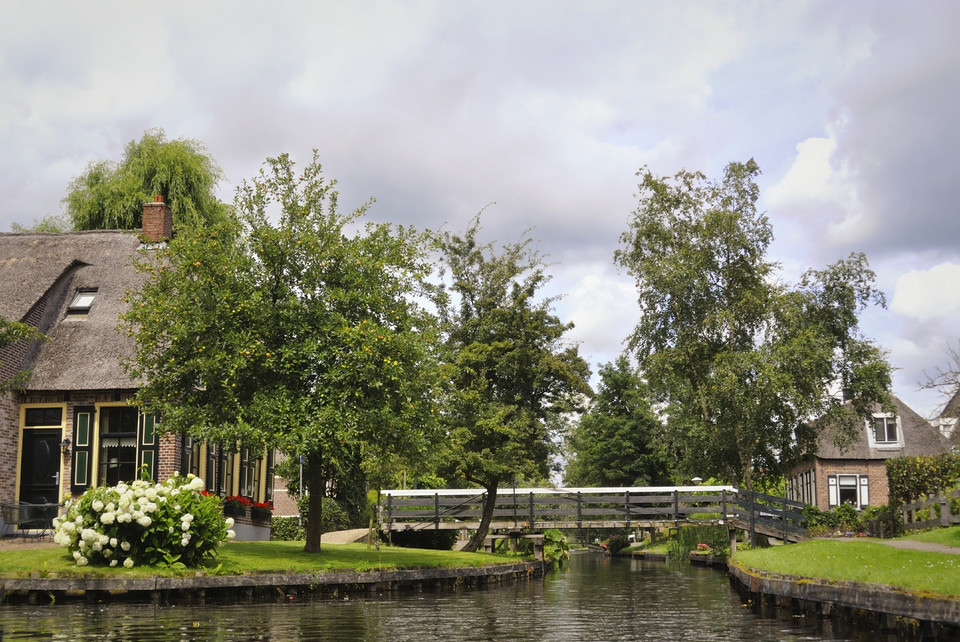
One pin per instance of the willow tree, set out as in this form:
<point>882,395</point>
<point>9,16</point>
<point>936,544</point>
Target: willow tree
<point>509,372</point>
<point>110,195</point>
<point>745,363</point>
<point>290,326</point>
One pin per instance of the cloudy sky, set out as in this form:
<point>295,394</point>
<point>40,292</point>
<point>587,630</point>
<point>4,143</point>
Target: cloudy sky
<point>540,112</point>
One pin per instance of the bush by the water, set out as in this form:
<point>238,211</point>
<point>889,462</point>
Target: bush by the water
<point>690,538</point>
<point>144,523</point>
<point>617,543</point>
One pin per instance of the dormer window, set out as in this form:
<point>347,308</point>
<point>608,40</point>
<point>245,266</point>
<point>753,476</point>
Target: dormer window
<point>82,301</point>
<point>884,432</point>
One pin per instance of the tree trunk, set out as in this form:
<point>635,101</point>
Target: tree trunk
<point>316,486</point>
<point>489,504</point>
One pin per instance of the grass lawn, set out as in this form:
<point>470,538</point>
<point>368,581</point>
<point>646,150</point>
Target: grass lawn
<point>257,557</point>
<point>946,536</point>
<point>860,560</point>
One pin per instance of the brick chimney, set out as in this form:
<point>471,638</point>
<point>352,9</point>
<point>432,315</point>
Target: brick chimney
<point>157,221</point>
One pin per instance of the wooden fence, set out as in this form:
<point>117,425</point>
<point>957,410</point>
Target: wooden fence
<point>932,512</point>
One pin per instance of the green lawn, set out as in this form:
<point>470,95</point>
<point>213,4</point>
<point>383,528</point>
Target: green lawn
<point>861,560</point>
<point>258,557</point>
<point>946,536</point>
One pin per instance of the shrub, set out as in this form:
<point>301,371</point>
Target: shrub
<point>144,523</point>
<point>332,516</point>
<point>688,538</point>
<point>287,529</point>
<point>556,548</point>
<point>617,543</point>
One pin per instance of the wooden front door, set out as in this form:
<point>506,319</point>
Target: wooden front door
<point>40,467</point>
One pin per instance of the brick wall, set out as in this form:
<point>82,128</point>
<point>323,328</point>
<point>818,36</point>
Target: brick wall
<point>170,454</point>
<point>9,444</point>
<point>875,469</point>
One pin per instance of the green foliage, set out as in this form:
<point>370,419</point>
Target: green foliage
<point>911,478</point>
<point>284,326</point>
<point>12,332</point>
<point>111,195</point>
<point>172,523</point>
<point>50,224</point>
<point>619,440</point>
<point>556,547</point>
<point>617,543</point>
<point>847,520</point>
<point>441,540</point>
<point>510,375</point>
<point>741,360</point>
<point>687,539</point>
<point>332,516</point>
<point>286,529</point>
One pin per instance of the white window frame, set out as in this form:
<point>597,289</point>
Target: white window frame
<point>861,484</point>
<point>884,445</point>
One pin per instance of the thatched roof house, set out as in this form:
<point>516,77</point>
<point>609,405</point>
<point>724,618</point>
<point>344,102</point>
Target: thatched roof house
<point>44,274</point>
<point>857,475</point>
<point>73,426</point>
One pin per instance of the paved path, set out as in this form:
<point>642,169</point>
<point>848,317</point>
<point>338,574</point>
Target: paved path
<point>915,545</point>
<point>344,537</point>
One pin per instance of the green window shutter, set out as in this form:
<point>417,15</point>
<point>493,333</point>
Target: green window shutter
<point>148,445</point>
<point>82,463</point>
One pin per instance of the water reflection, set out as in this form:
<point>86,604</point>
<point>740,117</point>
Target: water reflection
<point>598,598</point>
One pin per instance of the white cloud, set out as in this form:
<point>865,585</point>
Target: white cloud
<point>925,295</point>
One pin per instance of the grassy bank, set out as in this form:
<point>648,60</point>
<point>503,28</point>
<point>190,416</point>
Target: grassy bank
<point>257,557</point>
<point>862,560</point>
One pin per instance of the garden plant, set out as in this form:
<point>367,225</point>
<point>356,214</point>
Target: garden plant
<point>144,523</point>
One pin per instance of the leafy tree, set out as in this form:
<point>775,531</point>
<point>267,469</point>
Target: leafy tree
<point>51,224</point>
<point>286,326</point>
<point>111,195</point>
<point>619,440</point>
<point>745,362</point>
<point>510,374</point>
<point>11,334</point>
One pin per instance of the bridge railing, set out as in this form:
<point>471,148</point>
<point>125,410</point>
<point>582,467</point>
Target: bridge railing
<point>557,507</point>
<point>776,516</point>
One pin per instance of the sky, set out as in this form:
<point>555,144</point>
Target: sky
<point>540,114</point>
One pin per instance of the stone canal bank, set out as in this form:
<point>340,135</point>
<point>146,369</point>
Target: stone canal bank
<point>912,615</point>
<point>199,588</point>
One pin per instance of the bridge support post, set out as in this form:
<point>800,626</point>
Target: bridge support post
<point>732,533</point>
<point>783,516</point>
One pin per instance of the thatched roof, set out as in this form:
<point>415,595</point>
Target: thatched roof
<point>919,438</point>
<point>952,409</point>
<point>43,272</point>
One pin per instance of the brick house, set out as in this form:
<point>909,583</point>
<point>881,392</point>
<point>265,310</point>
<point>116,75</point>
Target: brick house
<point>72,426</point>
<point>858,475</point>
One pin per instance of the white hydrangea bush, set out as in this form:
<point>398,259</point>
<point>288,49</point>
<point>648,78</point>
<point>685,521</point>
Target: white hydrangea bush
<point>144,523</point>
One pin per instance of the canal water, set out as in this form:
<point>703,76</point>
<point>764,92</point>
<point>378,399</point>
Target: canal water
<point>595,598</point>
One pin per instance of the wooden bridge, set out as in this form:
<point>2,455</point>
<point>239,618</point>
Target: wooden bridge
<point>537,509</point>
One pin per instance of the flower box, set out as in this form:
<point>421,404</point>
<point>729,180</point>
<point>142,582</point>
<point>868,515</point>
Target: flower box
<point>235,506</point>
<point>261,511</point>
